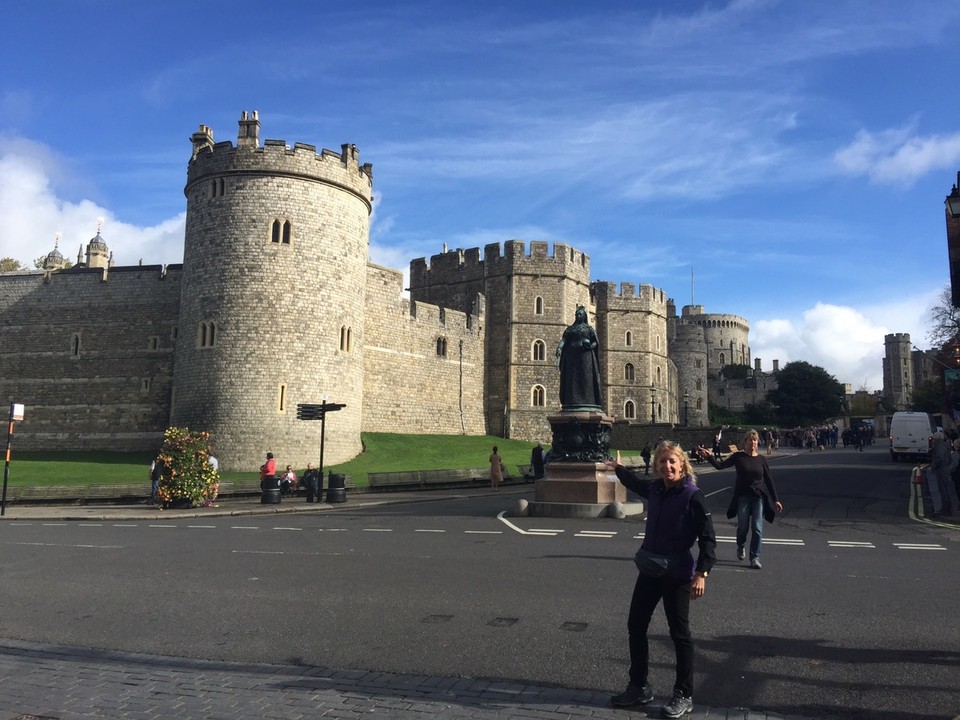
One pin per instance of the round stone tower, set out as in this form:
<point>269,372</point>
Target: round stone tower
<point>688,350</point>
<point>272,303</point>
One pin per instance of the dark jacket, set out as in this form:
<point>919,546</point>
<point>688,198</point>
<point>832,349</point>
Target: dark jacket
<point>677,517</point>
<point>753,480</point>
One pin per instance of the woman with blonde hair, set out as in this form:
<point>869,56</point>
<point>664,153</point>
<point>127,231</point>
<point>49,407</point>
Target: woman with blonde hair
<point>754,495</point>
<point>677,517</point>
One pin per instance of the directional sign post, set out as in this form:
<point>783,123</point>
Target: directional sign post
<point>310,411</point>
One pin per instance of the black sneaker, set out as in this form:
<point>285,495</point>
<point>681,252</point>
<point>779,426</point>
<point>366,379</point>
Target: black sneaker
<point>678,706</point>
<point>633,695</point>
<point>741,552</point>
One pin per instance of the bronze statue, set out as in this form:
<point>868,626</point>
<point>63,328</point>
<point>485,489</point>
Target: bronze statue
<point>578,360</point>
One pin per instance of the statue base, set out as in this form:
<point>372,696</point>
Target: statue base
<point>579,483</point>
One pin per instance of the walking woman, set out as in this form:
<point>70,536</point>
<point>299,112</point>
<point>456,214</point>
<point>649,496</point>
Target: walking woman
<point>754,495</point>
<point>677,517</point>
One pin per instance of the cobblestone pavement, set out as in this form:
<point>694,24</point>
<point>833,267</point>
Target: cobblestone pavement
<point>51,682</point>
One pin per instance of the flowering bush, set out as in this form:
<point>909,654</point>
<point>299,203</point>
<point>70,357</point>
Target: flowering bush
<point>187,478</point>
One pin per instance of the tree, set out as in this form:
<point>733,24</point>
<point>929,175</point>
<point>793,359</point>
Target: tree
<point>736,372</point>
<point>8,264</point>
<point>806,395</point>
<point>945,320</point>
<point>927,397</point>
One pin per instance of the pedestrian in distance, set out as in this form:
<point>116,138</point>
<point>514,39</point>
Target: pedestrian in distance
<point>537,459</point>
<point>677,517</point>
<point>496,470</point>
<point>754,494</point>
<point>156,471</point>
<point>938,475</point>
<point>288,483</point>
<point>268,473</point>
<point>645,454</point>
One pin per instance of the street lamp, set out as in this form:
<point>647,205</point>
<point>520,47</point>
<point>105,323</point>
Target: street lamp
<point>686,408</point>
<point>953,199</point>
<point>653,406</point>
<point>952,205</point>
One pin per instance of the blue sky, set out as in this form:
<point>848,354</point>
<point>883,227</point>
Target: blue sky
<point>793,155</point>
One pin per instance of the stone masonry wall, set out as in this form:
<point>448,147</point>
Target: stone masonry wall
<point>90,355</point>
<point>409,386</point>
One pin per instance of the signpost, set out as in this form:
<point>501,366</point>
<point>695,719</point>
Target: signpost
<point>16,413</point>
<point>312,411</point>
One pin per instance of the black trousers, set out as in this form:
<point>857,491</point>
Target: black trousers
<point>647,593</point>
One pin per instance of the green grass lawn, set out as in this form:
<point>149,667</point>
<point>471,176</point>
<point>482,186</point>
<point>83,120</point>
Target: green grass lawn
<point>383,452</point>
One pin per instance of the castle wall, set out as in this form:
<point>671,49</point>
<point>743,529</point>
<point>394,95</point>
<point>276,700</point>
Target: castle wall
<point>423,365</point>
<point>89,353</point>
<point>275,258</point>
<point>530,297</point>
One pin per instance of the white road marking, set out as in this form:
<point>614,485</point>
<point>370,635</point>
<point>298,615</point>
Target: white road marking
<point>850,544</point>
<point>483,532</point>
<point>378,529</point>
<point>162,526</point>
<point>595,534</point>
<point>917,546</point>
<point>430,531</point>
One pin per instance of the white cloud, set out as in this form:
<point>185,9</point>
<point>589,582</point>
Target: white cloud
<point>898,156</point>
<point>32,213</point>
<point>847,342</point>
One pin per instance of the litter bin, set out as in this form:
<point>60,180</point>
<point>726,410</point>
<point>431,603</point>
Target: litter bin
<point>270,491</point>
<point>336,490</point>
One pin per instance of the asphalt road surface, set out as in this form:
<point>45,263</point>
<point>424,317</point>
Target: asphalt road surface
<point>854,614</point>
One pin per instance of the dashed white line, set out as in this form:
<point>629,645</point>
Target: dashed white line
<point>378,529</point>
<point>202,527</point>
<point>244,527</point>
<point>288,528</point>
<point>483,532</point>
<point>917,546</point>
<point>430,531</point>
<point>851,544</point>
<point>162,526</point>
<point>595,534</point>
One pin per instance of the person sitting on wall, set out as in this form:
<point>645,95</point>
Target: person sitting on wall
<point>288,482</point>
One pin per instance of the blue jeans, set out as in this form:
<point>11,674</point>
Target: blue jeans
<point>750,517</point>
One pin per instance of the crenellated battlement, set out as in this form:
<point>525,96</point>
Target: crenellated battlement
<point>630,296</point>
<point>275,157</point>
<point>509,259</point>
<point>896,338</point>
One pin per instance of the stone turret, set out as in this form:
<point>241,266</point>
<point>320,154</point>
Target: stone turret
<point>272,306</point>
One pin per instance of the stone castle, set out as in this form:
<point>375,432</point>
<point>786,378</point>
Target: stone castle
<point>276,303</point>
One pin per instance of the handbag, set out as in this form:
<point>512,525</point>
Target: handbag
<point>651,564</point>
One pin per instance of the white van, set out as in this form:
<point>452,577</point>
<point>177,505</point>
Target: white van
<point>911,435</point>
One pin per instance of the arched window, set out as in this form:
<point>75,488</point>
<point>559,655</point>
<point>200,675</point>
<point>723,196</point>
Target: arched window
<point>346,338</point>
<point>658,375</point>
<point>628,338</point>
<point>286,233</point>
<point>206,334</point>
<point>75,345</point>
<point>699,403</point>
<point>538,306</point>
<point>539,350</point>
<point>538,396</point>
<point>699,384</point>
<point>275,232</point>
<point>628,372</point>
<point>723,359</point>
<point>282,398</point>
<point>442,347</point>
<point>659,411</point>
<point>629,410</point>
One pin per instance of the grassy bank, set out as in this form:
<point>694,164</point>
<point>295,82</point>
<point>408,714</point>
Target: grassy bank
<point>383,452</point>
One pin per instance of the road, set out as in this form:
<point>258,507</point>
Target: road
<point>852,616</point>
